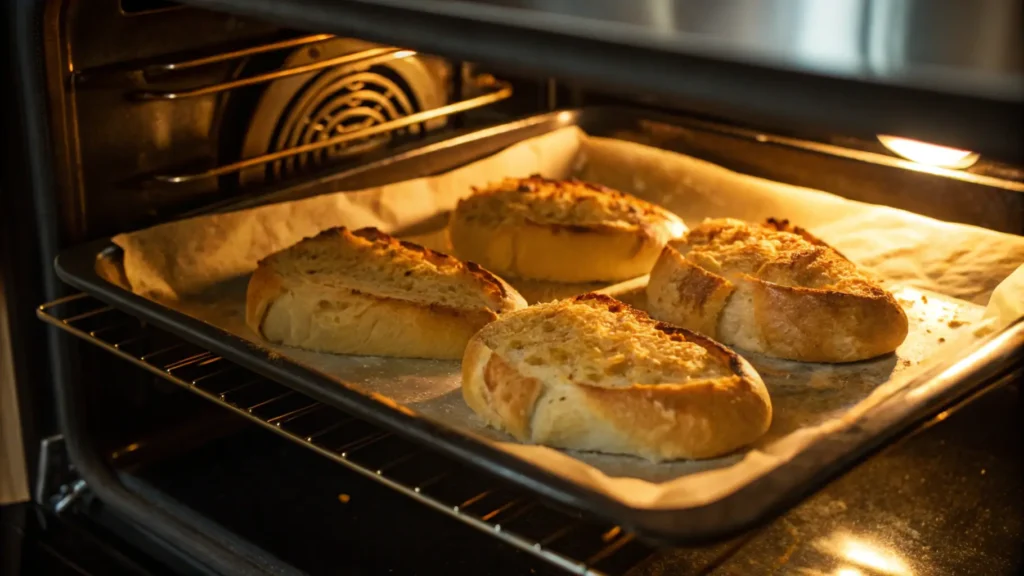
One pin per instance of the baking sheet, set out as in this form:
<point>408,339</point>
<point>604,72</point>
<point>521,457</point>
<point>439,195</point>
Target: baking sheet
<point>199,266</point>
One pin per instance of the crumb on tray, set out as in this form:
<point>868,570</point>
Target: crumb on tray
<point>924,298</point>
<point>954,323</point>
<point>942,340</point>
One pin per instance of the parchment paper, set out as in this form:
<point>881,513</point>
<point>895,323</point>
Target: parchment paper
<point>941,273</point>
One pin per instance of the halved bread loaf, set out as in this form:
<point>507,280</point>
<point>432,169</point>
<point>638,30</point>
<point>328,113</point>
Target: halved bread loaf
<point>774,288</point>
<point>364,292</point>
<point>591,373</point>
<point>560,230</point>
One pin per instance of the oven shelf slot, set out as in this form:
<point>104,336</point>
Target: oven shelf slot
<point>476,500</point>
<point>496,91</point>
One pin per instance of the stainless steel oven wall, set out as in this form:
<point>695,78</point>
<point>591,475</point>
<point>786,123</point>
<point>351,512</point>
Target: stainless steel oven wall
<point>151,93</point>
<point>941,71</point>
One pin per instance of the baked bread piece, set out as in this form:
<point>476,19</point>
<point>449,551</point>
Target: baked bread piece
<point>560,230</point>
<point>364,292</point>
<point>774,288</point>
<point>592,373</point>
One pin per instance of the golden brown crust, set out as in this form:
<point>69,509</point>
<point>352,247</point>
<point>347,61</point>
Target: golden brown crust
<point>364,292</point>
<point>699,400</point>
<point>789,294</point>
<point>264,287</point>
<point>707,414</point>
<point>822,326</point>
<point>563,231</point>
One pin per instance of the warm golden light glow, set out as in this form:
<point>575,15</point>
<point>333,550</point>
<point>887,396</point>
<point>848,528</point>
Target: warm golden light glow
<point>930,154</point>
<point>676,229</point>
<point>873,557</point>
<point>859,557</point>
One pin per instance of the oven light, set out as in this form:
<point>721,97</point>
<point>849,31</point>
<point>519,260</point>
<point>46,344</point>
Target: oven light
<point>930,154</point>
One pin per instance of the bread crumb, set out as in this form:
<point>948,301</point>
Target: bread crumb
<point>954,323</point>
<point>928,330</point>
<point>942,340</point>
<point>906,362</point>
<point>906,303</point>
<point>924,298</point>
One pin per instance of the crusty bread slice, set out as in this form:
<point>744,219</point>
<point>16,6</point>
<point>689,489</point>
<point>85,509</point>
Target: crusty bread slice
<point>364,292</point>
<point>774,288</point>
<point>560,230</point>
<point>591,373</point>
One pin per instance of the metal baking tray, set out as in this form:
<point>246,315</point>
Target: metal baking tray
<point>96,269</point>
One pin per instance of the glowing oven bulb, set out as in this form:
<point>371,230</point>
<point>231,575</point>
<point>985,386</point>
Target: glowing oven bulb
<point>930,154</point>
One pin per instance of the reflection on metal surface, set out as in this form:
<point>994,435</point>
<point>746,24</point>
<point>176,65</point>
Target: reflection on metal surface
<point>356,60</point>
<point>930,154</point>
<point>859,555</point>
<point>874,557</point>
<point>859,155</point>
<point>237,54</point>
<point>952,46</point>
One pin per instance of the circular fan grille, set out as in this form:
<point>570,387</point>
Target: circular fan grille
<point>334,103</point>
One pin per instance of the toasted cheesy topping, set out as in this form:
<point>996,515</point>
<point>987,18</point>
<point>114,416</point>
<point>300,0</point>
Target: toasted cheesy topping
<point>565,203</point>
<point>369,261</point>
<point>775,252</point>
<point>601,342</point>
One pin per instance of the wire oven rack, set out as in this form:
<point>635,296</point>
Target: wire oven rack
<point>571,543</point>
<point>491,90</point>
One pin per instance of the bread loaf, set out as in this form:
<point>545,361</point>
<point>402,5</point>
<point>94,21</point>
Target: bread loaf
<point>560,230</point>
<point>364,292</point>
<point>775,289</point>
<point>591,373</point>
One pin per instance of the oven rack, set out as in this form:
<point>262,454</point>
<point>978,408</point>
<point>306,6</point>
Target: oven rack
<point>490,89</point>
<point>494,91</point>
<point>569,542</point>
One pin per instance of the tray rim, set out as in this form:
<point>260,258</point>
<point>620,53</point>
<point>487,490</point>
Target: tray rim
<point>751,504</point>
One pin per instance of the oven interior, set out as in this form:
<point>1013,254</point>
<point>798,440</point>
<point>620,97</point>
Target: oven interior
<point>159,110</point>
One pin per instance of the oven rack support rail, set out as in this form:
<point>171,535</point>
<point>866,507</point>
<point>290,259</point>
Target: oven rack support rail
<point>494,91</point>
<point>570,543</point>
<point>491,91</point>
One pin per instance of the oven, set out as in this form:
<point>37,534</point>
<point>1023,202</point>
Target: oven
<point>174,449</point>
